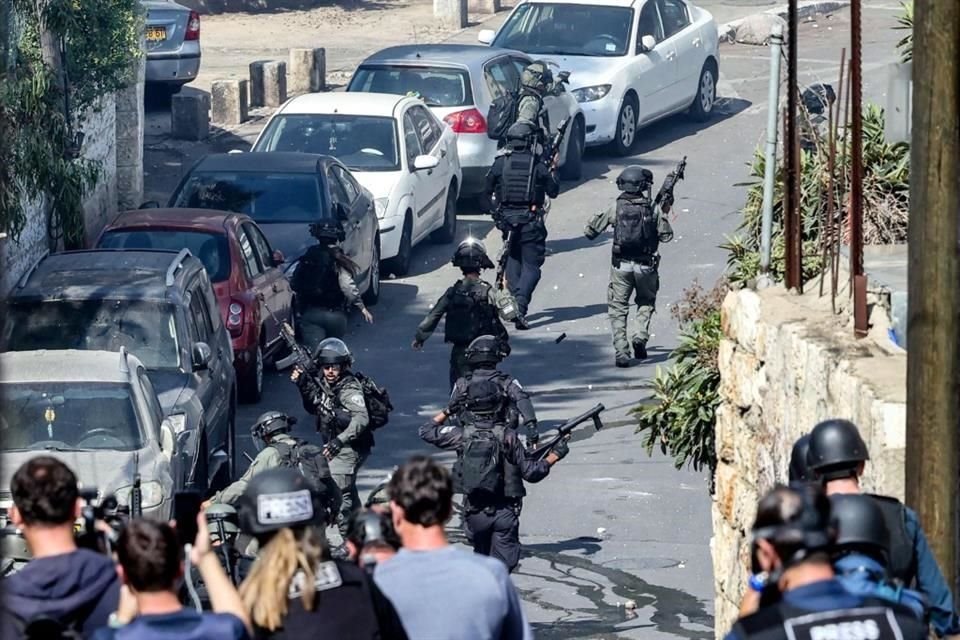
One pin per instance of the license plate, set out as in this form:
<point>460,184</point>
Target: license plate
<point>156,34</point>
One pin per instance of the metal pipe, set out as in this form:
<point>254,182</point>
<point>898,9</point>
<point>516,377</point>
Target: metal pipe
<point>791,208</point>
<point>770,158</point>
<point>856,178</point>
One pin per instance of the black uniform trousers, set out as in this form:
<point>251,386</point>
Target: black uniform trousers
<point>526,255</point>
<point>495,531</point>
<point>458,363</point>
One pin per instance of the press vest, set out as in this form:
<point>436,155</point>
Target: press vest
<point>874,619</point>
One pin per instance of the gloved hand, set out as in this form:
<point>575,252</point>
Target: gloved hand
<point>561,449</point>
<point>533,436</point>
<point>332,448</point>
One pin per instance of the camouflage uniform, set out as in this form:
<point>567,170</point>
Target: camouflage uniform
<point>269,458</point>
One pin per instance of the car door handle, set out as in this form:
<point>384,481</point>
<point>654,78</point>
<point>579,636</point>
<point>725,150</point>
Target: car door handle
<point>696,42</point>
<point>670,55</point>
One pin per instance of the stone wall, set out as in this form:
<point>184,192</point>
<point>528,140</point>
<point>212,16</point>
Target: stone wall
<point>786,363</point>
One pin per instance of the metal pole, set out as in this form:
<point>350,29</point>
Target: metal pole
<point>770,159</point>
<point>791,208</point>
<point>933,334</point>
<point>856,178</point>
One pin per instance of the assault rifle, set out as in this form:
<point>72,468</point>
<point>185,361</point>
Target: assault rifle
<point>300,355</point>
<point>556,140</point>
<point>566,429</point>
<point>665,195</point>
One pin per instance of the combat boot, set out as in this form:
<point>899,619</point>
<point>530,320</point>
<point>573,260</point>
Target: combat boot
<point>640,350</point>
<point>521,322</point>
<point>622,361</point>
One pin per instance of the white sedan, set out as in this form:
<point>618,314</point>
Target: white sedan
<point>395,147</point>
<point>631,62</point>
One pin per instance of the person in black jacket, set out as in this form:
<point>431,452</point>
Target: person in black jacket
<point>295,589</point>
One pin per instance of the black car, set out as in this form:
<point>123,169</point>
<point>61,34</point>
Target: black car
<point>284,192</point>
<point>160,306</point>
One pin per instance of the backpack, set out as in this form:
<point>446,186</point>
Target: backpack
<point>502,114</point>
<point>468,314</point>
<point>377,400</point>
<point>635,233</point>
<point>305,457</point>
<point>316,280</point>
<point>481,467</point>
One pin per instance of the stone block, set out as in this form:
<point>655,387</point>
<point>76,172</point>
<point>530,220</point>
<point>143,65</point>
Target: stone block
<point>228,101</point>
<point>484,6</point>
<point>130,186</point>
<point>451,14</point>
<point>190,115</point>
<point>129,150</point>
<point>756,28</point>
<point>268,83</point>
<point>740,317</point>
<point>307,72</point>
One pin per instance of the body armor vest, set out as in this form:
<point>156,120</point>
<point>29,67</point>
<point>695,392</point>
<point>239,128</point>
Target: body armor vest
<point>635,234</point>
<point>902,564</point>
<point>469,313</point>
<point>517,188</point>
<point>870,621</point>
<point>316,280</point>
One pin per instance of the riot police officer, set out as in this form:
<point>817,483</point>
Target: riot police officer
<point>224,525</point>
<point>792,536</point>
<point>837,457</point>
<point>372,538</point>
<point>342,419</point>
<point>638,230</point>
<point>519,181</point>
<point>536,80</point>
<point>472,306</point>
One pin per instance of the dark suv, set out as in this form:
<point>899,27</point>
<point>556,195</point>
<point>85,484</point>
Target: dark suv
<point>160,306</point>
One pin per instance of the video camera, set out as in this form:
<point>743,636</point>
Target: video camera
<point>107,510</point>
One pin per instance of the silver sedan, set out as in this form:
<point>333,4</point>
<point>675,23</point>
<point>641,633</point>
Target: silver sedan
<point>173,44</point>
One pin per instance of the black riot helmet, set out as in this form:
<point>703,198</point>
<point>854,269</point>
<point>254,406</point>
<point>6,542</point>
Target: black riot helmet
<point>799,471</point>
<point>471,255</point>
<point>634,179</point>
<point>333,351</point>
<point>279,498</point>
<point>486,350</point>
<point>269,424</point>
<point>836,450</point>
<point>861,526</point>
<point>327,232</point>
<point>369,527</point>
<point>521,134</point>
<point>796,521</point>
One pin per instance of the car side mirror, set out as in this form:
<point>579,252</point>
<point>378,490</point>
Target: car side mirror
<point>200,356</point>
<point>647,43</point>
<point>486,36</point>
<point>421,163</point>
<point>168,438</point>
<point>150,204</point>
<point>278,258</point>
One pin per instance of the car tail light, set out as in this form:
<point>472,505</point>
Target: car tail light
<point>235,319</point>
<point>193,27</point>
<point>469,121</point>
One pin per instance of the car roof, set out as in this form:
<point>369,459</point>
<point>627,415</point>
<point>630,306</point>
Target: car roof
<point>274,162</point>
<point>105,274</point>
<point>365,104</point>
<point>67,365</point>
<point>459,55</point>
<point>210,220</point>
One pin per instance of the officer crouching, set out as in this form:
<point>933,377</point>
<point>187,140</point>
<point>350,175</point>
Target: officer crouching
<point>638,230</point>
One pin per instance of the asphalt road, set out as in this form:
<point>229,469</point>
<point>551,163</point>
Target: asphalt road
<point>610,524</point>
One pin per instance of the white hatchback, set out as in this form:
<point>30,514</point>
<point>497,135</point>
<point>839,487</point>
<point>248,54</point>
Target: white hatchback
<point>631,62</point>
<point>395,147</point>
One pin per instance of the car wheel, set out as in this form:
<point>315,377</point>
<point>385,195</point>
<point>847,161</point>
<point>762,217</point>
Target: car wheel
<point>399,265</point>
<point>251,385</point>
<point>626,133</point>
<point>448,232</point>
<point>572,168</point>
<point>372,294</point>
<point>702,107</point>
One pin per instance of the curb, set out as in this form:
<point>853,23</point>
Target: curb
<point>728,30</point>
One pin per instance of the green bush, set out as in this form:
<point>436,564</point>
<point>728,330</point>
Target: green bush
<point>905,23</point>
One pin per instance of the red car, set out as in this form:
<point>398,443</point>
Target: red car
<point>243,269</point>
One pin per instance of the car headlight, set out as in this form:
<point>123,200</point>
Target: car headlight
<point>151,495</point>
<point>177,420</point>
<point>380,204</point>
<point>589,94</point>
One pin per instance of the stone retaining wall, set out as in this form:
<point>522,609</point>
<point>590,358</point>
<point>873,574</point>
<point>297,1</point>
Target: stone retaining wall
<point>786,363</point>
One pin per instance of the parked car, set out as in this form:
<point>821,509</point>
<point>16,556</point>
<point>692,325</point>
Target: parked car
<point>159,306</point>
<point>96,411</point>
<point>631,62</point>
<point>284,192</point>
<point>173,44</point>
<point>458,83</point>
<point>395,147</point>
<point>243,269</point>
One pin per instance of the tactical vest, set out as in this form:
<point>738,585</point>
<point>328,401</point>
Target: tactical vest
<point>469,313</point>
<point>635,234</point>
<point>874,619</point>
<point>510,486</point>
<point>316,280</point>
<point>333,422</point>
<point>903,556</point>
<point>517,185</point>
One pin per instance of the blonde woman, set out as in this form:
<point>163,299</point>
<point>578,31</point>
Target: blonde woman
<point>294,589</point>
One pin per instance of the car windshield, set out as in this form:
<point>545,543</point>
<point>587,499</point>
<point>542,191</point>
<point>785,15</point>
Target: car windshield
<point>211,248</point>
<point>437,86</point>
<point>65,416</point>
<point>363,143</point>
<point>146,329</point>
<point>567,29</point>
<point>265,197</point>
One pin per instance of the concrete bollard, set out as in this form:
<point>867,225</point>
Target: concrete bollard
<point>307,72</point>
<point>190,115</point>
<point>228,101</point>
<point>484,6</point>
<point>268,83</point>
<point>451,14</point>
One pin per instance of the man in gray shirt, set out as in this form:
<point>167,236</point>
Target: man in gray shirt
<point>424,581</point>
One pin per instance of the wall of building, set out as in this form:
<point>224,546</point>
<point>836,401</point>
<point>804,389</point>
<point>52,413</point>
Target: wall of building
<point>786,363</point>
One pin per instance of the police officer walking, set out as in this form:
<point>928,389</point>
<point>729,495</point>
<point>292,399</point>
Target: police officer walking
<point>342,420</point>
<point>792,536</point>
<point>519,182</point>
<point>535,81</point>
<point>472,307</point>
<point>492,489</point>
<point>638,230</point>
<point>837,457</point>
